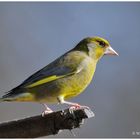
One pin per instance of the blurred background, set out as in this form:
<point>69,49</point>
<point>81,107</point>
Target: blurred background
<point>34,34</point>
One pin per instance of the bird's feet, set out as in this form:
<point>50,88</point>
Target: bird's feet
<point>47,110</point>
<point>77,106</point>
<point>74,106</point>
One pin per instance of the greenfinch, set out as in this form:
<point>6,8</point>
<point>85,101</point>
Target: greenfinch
<point>64,78</point>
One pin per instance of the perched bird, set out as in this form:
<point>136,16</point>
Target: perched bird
<point>64,78</point>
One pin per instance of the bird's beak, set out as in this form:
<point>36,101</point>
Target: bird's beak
<point>110,51</point>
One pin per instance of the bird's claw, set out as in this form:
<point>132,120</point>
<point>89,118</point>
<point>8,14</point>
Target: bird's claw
<point>76,107</point>
<point>46,112</point>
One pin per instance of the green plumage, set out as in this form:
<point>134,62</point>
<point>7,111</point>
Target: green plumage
<point>64,78</point>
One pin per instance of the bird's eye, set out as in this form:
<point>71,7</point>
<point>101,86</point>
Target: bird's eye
<point>101,43</point>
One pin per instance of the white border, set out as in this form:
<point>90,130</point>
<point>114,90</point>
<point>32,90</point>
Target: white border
<point>69,1</point>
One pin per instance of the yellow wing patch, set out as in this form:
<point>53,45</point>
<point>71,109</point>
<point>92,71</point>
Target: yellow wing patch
<point>45,80</point>
<point>52,78</point>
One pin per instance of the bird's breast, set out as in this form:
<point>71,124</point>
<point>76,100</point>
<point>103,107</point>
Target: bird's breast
<point>75,84</point>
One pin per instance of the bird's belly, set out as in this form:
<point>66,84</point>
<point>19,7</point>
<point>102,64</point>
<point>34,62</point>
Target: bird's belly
<point>67,87</point>
<point>74,85</point>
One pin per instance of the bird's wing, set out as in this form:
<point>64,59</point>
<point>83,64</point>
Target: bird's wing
<point>48,74</point>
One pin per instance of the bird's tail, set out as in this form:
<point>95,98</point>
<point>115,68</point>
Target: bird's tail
<point>1,100</point>
<point>5,99</point>
<point>12,95</point>
<point>18,94</point>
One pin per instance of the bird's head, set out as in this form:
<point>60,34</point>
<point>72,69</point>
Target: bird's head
<point>95,47</point>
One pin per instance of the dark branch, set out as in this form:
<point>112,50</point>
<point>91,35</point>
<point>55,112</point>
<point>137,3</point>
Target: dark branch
<point>38,126</point>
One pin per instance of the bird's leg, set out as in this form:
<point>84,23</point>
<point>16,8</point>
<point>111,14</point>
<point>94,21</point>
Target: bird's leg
<point>47,110</point>
<point>73,105</point>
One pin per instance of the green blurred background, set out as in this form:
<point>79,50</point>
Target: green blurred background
<point>34,34</point>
